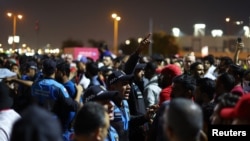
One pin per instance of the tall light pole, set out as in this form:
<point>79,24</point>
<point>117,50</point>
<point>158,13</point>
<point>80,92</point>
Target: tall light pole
<point>116,20</point>
<point>15,17</point>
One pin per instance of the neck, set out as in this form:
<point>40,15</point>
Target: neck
<point>65,79</point>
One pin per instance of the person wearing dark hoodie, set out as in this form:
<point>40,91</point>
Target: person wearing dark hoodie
<point>36,124</point>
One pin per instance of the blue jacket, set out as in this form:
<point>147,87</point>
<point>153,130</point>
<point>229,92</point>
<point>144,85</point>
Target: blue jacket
<point>121,120</point>
<point>112,135</point>
<point>54,97</point>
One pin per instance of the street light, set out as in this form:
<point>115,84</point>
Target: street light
<point>15,17</point>
<point>229,22</point>
<point>116,19</point>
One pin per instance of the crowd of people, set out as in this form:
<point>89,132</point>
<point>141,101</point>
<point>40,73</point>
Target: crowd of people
<point>127,98</point>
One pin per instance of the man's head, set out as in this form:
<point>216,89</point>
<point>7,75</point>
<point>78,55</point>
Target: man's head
<point>81,64</point>
<point>139,72</point>
<point>188,60</point>
<point>167,74</point>
<point>224,83</point>
<point>197,70</point>
<point>226,100</point>
<point>36,124</point>
<point>108,61</point>
<point>92,123</point>
<point>237,71</point>
<point>204,91</point>
<point>208,61</point>
<point>240,112</point>
<point>224,64</point>
<point>183,86</point>
<point>184,120</point>
<point>119,81</point>
<point>63,71</point>
<point>99,94</point>
<point>150,69</point>
<point>31,68</point>
<point>49,67</point>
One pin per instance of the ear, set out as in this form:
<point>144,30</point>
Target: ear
<point>98,134</point>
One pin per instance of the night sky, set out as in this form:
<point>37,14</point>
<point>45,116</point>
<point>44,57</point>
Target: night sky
<point>60,20</point>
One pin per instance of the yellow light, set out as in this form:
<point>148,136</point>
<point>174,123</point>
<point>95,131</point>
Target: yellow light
<point>227,19</point>
<point>19,16</point>
<point>114,15</point>
<point>9,14</point>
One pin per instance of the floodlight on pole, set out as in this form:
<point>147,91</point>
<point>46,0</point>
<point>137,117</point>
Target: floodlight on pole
<point>15,17</point>
<point>116,20</point>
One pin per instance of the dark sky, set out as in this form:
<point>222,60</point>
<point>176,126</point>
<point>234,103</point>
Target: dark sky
<point>91,19</point>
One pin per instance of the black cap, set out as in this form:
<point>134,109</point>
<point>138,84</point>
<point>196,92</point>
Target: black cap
<point>98,92</point>
<point>49,66</point>
<point>118,76</point>
<point>31,64</point>
<point>140,66</point>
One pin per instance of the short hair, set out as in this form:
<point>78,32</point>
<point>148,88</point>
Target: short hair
<point>237,70</point>
<point>228,99</point>
<point>184,118</point>
<point>194,65</point>
<point>209,58</point>
<point>227,60</point>
<point>228,80</point>
<point>64,67</point>
<point>36,124</point>
<point>89,118</point>
<point>186,80</point>
<point>207,86</point>
<point>152,66</point>
<point>92,68</point>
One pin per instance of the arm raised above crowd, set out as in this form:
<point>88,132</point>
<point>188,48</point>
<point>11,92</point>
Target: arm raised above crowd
<point>133,58</point>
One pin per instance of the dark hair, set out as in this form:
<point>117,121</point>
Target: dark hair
<point>228,99</point>
<point>89,118</point>
<point>36,124</point>
<point>227,60</point>
<point>186,80</point>
<point>92,68</point>
<point>194,65</point>
<point>227,80</point>
<point>207,86</point>
<point>64,67</point>
<point>209,58</point>
<point>151,66</point>
<point>237,70</point>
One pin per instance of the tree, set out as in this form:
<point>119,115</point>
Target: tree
<point>164,44</point>
<point>72,43</point>
<point>129,47</point>
<point>95,43</point>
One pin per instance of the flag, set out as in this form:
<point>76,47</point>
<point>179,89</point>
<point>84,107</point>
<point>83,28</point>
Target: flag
<point>37,26</point>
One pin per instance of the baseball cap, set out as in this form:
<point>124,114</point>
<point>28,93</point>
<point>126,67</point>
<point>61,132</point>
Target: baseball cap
<point>140,66</point>
<point>31,64</point>
<point>5,100</point>
<point>240,110</point>
<point>83,59</point>
<point>171,69</point>
<point>118,75</point>
<point>49,66</point>
<point>98,92</point>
